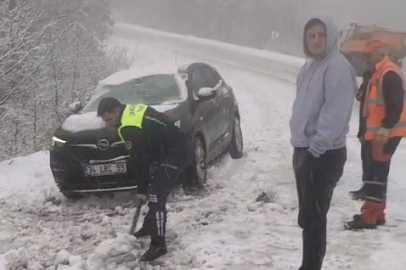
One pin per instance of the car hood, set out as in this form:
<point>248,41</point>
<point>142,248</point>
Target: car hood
<point>89,122</point>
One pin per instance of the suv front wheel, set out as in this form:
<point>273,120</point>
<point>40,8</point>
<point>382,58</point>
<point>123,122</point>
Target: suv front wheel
<point>197,173</point>
<point>237,143</point>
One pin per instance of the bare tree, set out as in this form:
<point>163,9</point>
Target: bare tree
<point>52,52</point>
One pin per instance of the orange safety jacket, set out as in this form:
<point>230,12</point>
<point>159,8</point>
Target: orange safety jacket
<point>374,107</point>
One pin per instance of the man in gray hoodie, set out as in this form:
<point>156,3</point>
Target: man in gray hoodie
<point>326,87</point>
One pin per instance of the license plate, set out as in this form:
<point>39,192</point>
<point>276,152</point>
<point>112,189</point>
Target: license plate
<point>105,169</point>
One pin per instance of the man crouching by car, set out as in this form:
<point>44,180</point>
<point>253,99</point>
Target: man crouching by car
<point>150,138</point>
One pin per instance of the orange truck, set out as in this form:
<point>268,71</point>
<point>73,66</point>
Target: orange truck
<point>357,43</point>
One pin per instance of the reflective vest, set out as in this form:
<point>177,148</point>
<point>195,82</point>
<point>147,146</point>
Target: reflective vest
<point>133,115</point>
<point>374,108</point>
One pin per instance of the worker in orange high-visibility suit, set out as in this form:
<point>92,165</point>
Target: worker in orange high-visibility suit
<point>383,126</point>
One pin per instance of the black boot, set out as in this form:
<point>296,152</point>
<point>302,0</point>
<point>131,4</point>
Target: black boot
<point>358,194</point>
<point>358,224</point>
<point>153,253</point>
<point>142,232</point>
<point>381,222</point>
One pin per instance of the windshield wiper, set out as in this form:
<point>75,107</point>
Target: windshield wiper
<point>170,102</point>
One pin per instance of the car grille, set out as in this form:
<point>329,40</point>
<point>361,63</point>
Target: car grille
<point>89,154</point>
<point>66,164</point>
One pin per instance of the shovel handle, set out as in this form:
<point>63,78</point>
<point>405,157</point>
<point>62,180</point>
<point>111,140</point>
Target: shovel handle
<point>135,219</point>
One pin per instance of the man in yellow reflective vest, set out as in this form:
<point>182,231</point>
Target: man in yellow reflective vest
<point>152,140</point>
<point>383,124</point>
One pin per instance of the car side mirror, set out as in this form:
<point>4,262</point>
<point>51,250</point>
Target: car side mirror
<point>206,93</point>
<point>75,107</point>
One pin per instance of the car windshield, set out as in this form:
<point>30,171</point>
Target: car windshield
<point>150,90</point>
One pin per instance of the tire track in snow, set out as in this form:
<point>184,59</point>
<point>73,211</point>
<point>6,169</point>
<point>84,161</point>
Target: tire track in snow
<point>266,106</point>
<point>225,228</point>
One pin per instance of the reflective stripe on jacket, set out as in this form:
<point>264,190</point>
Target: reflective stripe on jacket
<point>374,107</point>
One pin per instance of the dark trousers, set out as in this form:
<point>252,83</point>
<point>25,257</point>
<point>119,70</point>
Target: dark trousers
<point>165,178</point>
<point>376,161</point>
<point>365,156</point>
<point>316,179</point>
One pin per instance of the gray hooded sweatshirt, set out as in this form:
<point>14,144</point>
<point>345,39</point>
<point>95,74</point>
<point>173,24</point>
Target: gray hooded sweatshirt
<point>326,88</point>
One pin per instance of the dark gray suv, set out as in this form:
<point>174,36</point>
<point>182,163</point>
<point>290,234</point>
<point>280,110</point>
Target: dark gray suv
<point>85,157</point>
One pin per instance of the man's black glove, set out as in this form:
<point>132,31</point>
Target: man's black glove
<point>366,76</point>
<point>360,93</point>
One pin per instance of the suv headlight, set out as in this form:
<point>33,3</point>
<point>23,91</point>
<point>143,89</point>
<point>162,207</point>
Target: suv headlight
<point>56,142</point>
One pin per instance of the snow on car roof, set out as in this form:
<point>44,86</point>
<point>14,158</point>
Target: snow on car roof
<point>129,74</point>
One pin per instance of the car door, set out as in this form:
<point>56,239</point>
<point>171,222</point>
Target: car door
<point>228,101</point>
<point>207,112</point>
<point>221,102</point>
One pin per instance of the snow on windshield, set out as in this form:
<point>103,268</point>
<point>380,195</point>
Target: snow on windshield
<point>151,90</point>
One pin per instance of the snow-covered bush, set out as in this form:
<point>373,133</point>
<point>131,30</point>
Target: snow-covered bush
<point>52,53</point>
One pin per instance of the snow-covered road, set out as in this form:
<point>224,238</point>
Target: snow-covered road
<point>224,228</point>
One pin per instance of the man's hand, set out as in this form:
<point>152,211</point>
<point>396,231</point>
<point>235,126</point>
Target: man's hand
<point>382,135</point>
<point>140,200</point>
